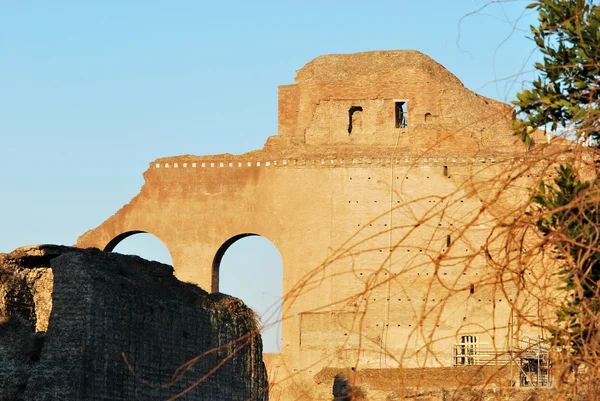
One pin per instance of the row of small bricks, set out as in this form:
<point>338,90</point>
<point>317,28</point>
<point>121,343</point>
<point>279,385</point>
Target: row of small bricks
<point>334,162</point>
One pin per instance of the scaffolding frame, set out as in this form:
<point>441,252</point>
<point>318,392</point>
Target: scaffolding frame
<point>532,358</point>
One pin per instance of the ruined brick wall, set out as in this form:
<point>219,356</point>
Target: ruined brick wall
<point>391,238</point>
<point>441,113</point>
<point>371,278</point>
<point>108,306</point>
<point>485,383</point>
<point>393,379</point>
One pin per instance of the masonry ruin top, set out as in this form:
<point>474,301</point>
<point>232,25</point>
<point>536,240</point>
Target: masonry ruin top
<point>383,103</point>
<point>403,99</point>
<point>411,64</point>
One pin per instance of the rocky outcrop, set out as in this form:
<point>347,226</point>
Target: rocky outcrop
<point>82,324</point>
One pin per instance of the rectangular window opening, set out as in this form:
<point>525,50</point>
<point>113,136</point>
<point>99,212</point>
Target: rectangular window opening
<point>401,114</point>
<point>448,241</point>
<point>472,289</point>
<point>445,171</point>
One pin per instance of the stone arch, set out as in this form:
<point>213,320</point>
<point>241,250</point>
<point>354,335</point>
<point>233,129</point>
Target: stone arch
<point>216,264</point>
<point>119,238</point>
<point>241,260</point>
<point>112,244</point>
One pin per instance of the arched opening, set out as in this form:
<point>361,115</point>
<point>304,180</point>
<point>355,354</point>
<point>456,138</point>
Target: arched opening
<point>249,267</point>
<point>142,244</point>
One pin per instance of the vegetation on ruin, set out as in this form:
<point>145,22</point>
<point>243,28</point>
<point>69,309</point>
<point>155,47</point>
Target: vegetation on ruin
<point>564,100</point>
<point>565,94</point>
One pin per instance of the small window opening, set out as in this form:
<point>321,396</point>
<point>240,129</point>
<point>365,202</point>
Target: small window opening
<point>428,117</point>
<point>351,117</point>
<point>445,171</point>
<point>448,241</point>
<point>472,289</point>
<point>401,115</point>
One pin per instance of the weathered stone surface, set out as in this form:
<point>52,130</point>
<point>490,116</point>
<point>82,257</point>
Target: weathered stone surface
<point>16,354</point>
<point>119,328</point>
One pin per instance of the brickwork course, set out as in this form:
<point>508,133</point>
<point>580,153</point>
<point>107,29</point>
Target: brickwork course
<point>91,325</point>
<point>391,193</point>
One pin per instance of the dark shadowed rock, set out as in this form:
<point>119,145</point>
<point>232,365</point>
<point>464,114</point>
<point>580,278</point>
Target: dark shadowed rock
<point>86,324</point>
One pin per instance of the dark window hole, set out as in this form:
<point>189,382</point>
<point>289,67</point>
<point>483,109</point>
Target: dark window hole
<point>351,112</point>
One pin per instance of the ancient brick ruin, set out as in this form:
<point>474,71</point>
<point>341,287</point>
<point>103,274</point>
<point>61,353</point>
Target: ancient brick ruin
<point>389,191</point>
<point>91,325</point>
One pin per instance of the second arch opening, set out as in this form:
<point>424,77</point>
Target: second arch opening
<point>249,267</point>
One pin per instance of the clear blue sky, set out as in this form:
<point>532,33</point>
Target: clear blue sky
<point>92,91</point>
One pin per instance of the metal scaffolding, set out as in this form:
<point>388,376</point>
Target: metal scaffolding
<point>532,358</point>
